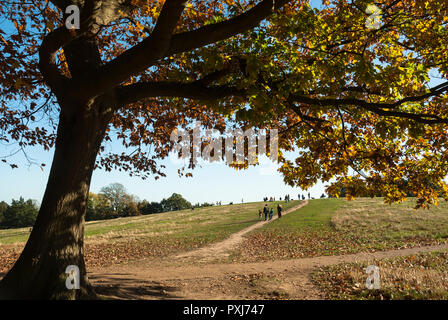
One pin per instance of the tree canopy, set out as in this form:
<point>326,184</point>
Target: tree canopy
<point>175,202</point>
<point>358,93</point>
<point>357,103</point>
<point>114,201</point>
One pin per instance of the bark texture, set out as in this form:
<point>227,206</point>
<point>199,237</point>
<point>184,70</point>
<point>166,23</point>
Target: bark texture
<point>56,240</point>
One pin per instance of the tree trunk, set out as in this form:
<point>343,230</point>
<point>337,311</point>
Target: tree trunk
<point>56,240</point>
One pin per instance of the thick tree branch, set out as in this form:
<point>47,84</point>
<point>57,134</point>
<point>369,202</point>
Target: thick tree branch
<point>61,4</point>
<point>195,90</point>
<point>303,116</point>
<point>220,31</point>
<point>139,57</point>
<point>162,43</point>
<point>199,89</point>
<point>60,38</point>
<point>383,109</point>
<point>47,56</point>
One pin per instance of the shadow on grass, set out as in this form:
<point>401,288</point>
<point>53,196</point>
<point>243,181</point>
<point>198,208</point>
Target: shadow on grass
<point>121,286</point>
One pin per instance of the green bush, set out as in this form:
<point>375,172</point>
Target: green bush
<point>19,214</point>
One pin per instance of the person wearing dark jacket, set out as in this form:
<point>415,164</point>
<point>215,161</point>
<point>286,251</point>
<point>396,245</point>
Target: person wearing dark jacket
<point>266,212</point>
<point>279,210</point>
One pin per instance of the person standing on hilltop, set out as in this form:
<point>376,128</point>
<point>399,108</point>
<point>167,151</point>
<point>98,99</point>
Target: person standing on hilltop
<point>266,211</point>
<point>279,210</point>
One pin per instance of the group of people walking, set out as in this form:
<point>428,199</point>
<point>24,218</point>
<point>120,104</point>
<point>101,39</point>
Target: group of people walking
<point>269,212</point>
<point>288,197</point>
<point>303,196</point>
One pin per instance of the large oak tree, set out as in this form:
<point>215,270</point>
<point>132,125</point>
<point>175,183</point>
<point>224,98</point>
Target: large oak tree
<point>354,101</point>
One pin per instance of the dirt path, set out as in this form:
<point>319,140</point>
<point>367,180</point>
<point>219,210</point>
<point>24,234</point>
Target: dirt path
<point>188,276</point>
<point>219,250</point>
<point>273,279</point>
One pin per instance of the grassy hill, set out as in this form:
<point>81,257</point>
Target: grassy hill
<point>150,236</point>
<point>336,226</point>
<point>323,227</point>
<point>211,222</point>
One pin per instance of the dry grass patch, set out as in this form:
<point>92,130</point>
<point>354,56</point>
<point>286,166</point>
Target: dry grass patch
<point>336,226</point>
<point>398,220</point>
<point>422,276</point>
<point>151,236</point>
<point>177,222</point>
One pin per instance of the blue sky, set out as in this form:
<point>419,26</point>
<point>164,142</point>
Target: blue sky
<point>211,183</point>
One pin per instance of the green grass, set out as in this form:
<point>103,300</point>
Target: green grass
<point>314,216</point>
<point>396,221</point>
<point>337,226</point>
<point>151,236</point>
<point>8,236</point>
<point>323,227</point>
<point>208,224</point>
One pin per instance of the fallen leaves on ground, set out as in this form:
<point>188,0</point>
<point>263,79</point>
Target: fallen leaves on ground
<point>421,276</point>
<point>102,254</point>
<point>9,254</point>
<point>268,245</point>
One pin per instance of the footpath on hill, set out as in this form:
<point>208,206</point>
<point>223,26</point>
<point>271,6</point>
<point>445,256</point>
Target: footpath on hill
<point>198,274</point>
<point>221,249</point>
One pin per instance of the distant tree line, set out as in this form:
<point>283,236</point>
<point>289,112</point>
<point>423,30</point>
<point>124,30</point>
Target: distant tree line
<point>113,201</point>
<point>205,204</point>
<point>18,214</point>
